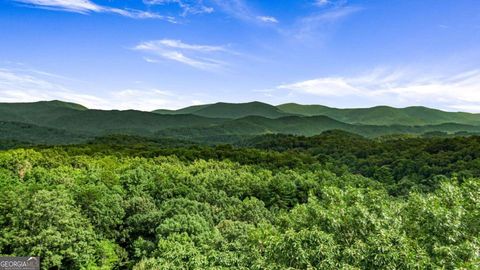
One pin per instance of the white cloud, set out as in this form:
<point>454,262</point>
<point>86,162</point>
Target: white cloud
<point>82,6</point>
<point>150,60</point>
<point>26,86</point>
<point>235,8</point>
<point>30,86</point>
<point>239,9</point>
<point>335,3</point>
<point>188,6</point>
<point>87,6</point>
<point>194,55</point>
<point>323,87</point>
<point>178,44</point>
<point>267,19</point>
<point>398,88</point>
<point>321,2</point>
<point>321,21</point>
<point>144,99</point>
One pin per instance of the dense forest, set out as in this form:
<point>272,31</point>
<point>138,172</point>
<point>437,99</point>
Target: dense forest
<point>331,201</point>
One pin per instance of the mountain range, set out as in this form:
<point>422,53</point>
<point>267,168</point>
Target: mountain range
<point>379,115</point>
<point>54,122</point>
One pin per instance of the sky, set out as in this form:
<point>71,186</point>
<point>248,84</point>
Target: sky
<point>152,54</point>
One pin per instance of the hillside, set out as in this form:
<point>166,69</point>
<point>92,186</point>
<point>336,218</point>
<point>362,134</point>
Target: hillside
<point>186,110</point>
<point>223,122</point>
<point>301,125</point>
<point>127,122</point>
<point>230,110</point>
<point>384,115</point>
<point>78,119</point>
<point>37,112</point>
<point>24,132</point>
<point>379,115</point>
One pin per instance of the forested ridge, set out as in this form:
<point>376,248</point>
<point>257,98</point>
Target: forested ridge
<point>57,122</point>
<point>331,201</point>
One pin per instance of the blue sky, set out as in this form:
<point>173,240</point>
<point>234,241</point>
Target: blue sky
<point>150,54</point>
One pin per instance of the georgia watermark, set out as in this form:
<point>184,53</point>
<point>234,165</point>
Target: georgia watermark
<point>19,263</point>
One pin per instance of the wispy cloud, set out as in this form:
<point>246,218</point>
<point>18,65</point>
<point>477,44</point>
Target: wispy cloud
<point>87,6</point>
<point>239,9</point>
<point>236,8</point>
<point>321,21</point>
<point>178,44</point>
<point>324,3</point>
<point>27,86</point>
<point>267,19</point>
<point>187,6</point>
<point>21,85</point>
<point>142,99</point>
<point>398,88</point>
<point>328,86</point>
<point>194,55</point>
<point>321,2</point>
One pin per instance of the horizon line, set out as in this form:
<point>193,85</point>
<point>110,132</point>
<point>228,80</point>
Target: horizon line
<point>238,103</point>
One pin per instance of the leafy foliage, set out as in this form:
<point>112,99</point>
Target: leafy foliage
<point>106,205</point>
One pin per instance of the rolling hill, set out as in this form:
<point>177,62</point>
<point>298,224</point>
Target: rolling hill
<point>78,119</point>
<point>384,115</point>
<point>302,125</point>
<point>231,110</point>
<point>379,115</point>
<point>127,122</point>
<point>61,122</point>
<point>37,112</point>
<point>24,132</point>
<point>186,110</point>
